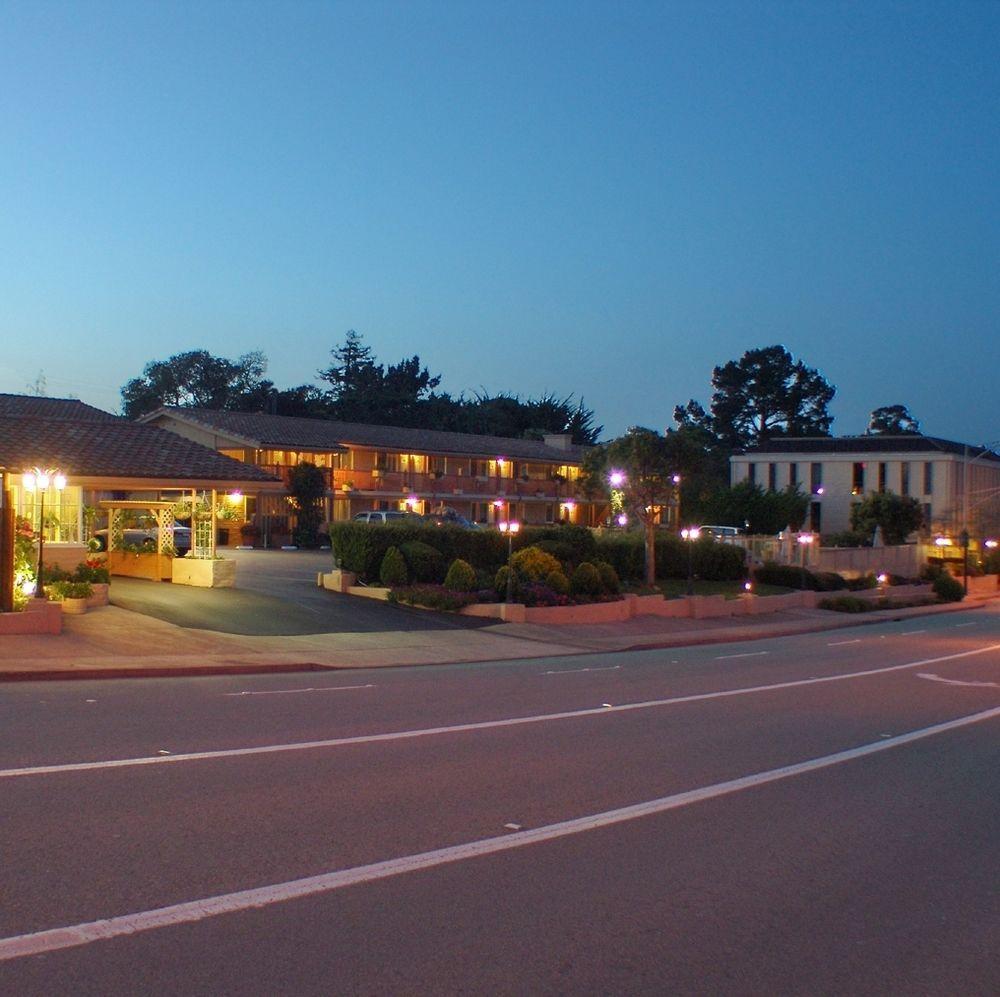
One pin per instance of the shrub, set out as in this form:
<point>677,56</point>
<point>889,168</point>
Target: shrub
<point>537,594</point>
<point>586,580</point>
<point>52,573</point>
<point>558,582</point>
<point>93,571</point>
<point>533,564</point>
<point>500,582</point>
<point>710,559</point>
<point>991,562</point>
<point>846,604</point>
<point>393,569</point>
<point>831,581</point>
<point>868,581</point>
<point>425,563</point>
<point>788,575</point>
<point>610,582</point>
<point>564,552</point>
<point>432,596</point>
<point>58,591</point>
<point>461,577</point>
<point>947,588</point>
<point>848,538</point>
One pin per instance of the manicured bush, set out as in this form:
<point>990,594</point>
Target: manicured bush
<point>788,575</point>
<point>831,581</point>
<point>710,559</point>
<point>585,580</point>
<point>558,582</point>
<point>393,569</point>
<point>847,538</point>
<point>948,588</point>
<point>564,552</point>
<point>60,590</point>
<point>424,562</point>
<point>533,564</point>
<point>461,577</point>
<point>500,582</point>
<point>862,583</point>
<point>537,594</point>
<point>577,541</point>
<point>610,583</point>
<point>94,572</point>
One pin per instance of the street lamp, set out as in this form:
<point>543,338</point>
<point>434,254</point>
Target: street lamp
<point>805,539</point>
<point>509,528</point>
<point>690,534</point>
<point>39,480</point>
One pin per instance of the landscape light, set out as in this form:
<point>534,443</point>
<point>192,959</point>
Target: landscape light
<point>942,542</point>
<point>616,479</point>
<point>622,520</point>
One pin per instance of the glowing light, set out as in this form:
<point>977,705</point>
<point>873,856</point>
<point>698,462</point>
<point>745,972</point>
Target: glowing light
<point>509,527</point>
<point>28,587</point>
<point>942,542</point>
<point>748,586</point>
<point>411,502</point>
<point>676,479</point>
<point>569,506</point>
<point>622,520</point>
<point>992,544</point>
<point>691,532</point>
<point>498,503</point>
<point>616,479</point>
<point>882,578</point>
<point>233,498</point>
<point>806,538</point>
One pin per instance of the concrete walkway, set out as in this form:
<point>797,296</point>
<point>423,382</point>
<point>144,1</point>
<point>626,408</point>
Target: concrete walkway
<point>114,642</point>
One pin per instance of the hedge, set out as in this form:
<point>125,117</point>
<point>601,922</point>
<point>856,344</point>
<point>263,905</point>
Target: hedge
<point>710,559</point>
<point>360,547</point>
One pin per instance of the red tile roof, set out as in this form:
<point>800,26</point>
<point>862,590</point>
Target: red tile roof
<point>291,433</point>
<point>52,408</point>
<point>86,445</point>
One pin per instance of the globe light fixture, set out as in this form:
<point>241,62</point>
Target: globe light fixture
<point>39,480</point>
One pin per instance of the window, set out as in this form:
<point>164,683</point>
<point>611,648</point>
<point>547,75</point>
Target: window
<point>815,517</point>
<point>772,477</point>
<point>904,478</point>
<point>793,475</point>
<point>385,461</point>
<point>858,479</point>
<point>816,478</point>
<point>928,477</point>
<point>881,476</point>
<point>752,473</point>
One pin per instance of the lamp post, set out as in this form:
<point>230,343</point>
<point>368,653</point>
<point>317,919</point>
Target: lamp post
<point>509,529</point>
<point>963,538</point>
<point>615,479</point>
<point>38,480</point>
<point>676,479</point>
<point>805,539</point>
<point>690,534</point>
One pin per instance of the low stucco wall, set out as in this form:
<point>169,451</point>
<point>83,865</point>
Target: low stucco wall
<point>40,617</point>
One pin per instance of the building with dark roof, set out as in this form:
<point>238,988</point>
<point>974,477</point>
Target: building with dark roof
<point>956,484</point>
<point>103,457</point>
<point>369,467</point>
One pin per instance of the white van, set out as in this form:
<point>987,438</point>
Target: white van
<point>726,534</point>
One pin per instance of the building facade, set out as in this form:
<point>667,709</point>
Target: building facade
<point>957,485</point>
<point>486,479</point>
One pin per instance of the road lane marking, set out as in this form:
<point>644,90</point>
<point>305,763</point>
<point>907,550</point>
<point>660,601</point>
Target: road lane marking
<point>937,678</point>
<point>288,692</point>
<point>72,936</point>
<point>840,643</point>
<point>910,633</point>
<point>972,624</point>
<point>403,735</point>
<point>748,654</point>
<point>575,671</point>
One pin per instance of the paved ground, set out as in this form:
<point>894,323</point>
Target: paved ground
<point>276,595</point>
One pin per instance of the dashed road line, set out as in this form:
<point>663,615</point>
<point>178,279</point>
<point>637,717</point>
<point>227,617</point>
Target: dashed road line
<point>841,643</point>
<point>747,654</point>
<point>73,936</point>
<point>289,692</point>
<point>577,671</point>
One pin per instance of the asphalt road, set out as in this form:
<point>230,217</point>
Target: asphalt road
<point>818,814</point>
<point>276,595</point>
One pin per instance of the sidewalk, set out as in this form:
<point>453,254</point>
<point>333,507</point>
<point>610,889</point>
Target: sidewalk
<point>113,642</point>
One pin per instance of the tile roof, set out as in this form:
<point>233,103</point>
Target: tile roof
<point>114,448</point>
<point>53,408</point>
<point>877,443</point>
<point>287,432</point>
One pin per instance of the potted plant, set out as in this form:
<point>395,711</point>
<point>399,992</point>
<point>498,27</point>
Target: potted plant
<point>72,595</point>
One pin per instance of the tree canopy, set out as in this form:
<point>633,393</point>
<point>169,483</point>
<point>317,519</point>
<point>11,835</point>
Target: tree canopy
<point>766,393</point>
<point>892,419</point>
<point>897,516</point>
<point>643,470</point>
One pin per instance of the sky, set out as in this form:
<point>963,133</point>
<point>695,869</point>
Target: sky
<point>601,199</point>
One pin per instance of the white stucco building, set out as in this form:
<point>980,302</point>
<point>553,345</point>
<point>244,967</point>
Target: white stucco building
<point>956,484</point>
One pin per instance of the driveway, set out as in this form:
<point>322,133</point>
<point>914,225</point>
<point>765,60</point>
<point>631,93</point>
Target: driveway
<point>276,595</point>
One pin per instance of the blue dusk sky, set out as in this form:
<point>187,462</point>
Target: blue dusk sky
<point>598,198</point>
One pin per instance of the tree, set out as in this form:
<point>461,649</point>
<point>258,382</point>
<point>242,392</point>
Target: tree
<point>761,512</point>
<point>649,465</point>
<point>307,486</point>
<point>766,393</point>
<point>195,379</point>
<point>892,419</point>
<point>896,515</point>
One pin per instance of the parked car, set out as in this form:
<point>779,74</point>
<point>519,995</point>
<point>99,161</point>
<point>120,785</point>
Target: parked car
<point>726,534</point>
<point>450,518</point>
<point>382,516</point>
<point>136,536</point>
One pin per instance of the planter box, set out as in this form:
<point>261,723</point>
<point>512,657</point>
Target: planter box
<point>156,567</point>
<point>337,580</point>
<point>39,617</point>
<point>73,607</point>
<point>100,596</point>
<point>204,572</point>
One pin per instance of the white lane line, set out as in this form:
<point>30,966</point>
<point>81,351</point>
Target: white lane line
<point>910,633</point>
<point>841,643</point>
<point>18,946</point>
<point>748,654</point>
<point>288,692</point>
<point>576,671</point>
<point>402,735</point>
<point>972,624</point>
<point>937,678</point>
